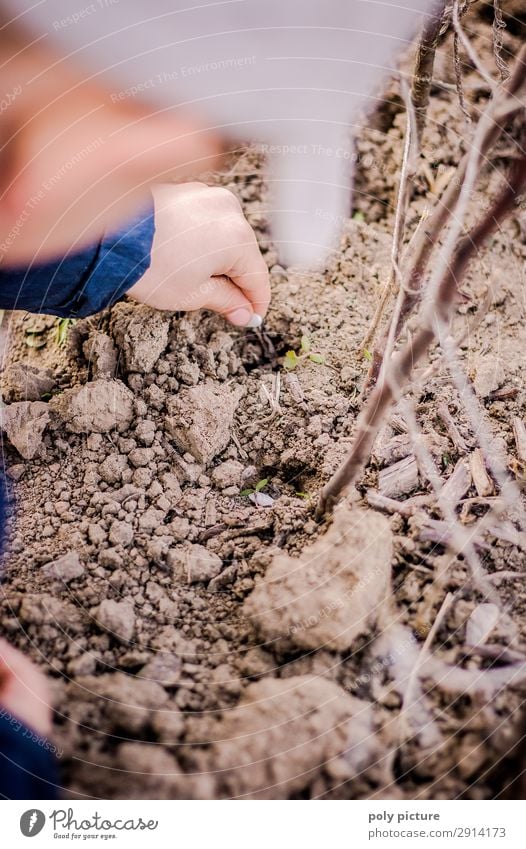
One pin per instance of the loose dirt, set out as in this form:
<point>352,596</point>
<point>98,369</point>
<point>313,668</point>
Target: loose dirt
<point>204,636</point>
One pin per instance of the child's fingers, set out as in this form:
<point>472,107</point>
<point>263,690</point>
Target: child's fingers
<point>250,274</point>
<point>227,299</point>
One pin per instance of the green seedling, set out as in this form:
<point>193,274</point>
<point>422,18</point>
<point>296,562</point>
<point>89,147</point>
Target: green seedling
<point>293,359</point>
<point>258,487</point>
<point>61,330</point>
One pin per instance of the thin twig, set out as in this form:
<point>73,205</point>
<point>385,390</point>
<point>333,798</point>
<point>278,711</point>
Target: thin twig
<point>423,68</point>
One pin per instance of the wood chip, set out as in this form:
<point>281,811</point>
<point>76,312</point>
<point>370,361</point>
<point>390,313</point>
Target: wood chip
<point>481,623</point>
<point>400,478</point>
<point>519,432</point>
<point>390,505</point>
<point>452,430</point>
<point>456,485</point>
<point>481,479</point>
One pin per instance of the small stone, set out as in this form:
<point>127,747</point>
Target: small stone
<point>118,618</point>
<point>110,558</point>
<point>84,664</point>
<point>141,456</point>
<point>168,724</point>
<point>16,471</point>
<point>151,519</point>
<point>65,568</point>
<point>145,432</point>
<point>112,468</point>
<point>194,563</point>
<point>24,424</point>
<point>96,534</point>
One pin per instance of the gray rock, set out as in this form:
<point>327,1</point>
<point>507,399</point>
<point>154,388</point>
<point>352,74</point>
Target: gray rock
<point>164,668</point>
<point>101,354</point>
<point>228,473</point>
<point>121,533</point>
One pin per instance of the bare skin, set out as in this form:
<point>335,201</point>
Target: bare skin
<point>23,690</point>
<point>204,255</point>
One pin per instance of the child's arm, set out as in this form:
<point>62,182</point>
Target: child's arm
<point>192,249</point>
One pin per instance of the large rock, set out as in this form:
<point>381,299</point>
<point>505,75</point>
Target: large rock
<point>200,420</point>
<point>141,333</point>
<point>284,731</point>
<point>330,594</point>
<point>96,407</point>
<point>24,423</point>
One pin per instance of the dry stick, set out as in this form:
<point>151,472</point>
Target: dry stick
<point>416,110</point>
<point>489,129</point>
<point>468,47</point>
<point>499,25</point>
<point>424,653</point>
<point>400,369</point>
<point>402,202</point>
<point>423,69</point>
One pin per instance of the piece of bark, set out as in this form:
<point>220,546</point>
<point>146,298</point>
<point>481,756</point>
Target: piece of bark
<point>390,505</point>
<point>452,430</point>
<point>400,478</point>
<point>519,432</point>
<point>456,485</point>
<point>481,479</point>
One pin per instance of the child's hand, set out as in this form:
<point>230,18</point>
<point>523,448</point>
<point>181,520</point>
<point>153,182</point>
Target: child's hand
<point>204,255</point>
<point>23,690</point>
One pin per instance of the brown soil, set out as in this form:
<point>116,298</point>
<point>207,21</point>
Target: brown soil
<point>205,643</point>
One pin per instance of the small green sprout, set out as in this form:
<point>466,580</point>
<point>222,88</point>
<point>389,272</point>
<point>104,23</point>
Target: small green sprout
<point>292,359</point>
<point>367,354</point>
<point>258,487</point>
<point>61,330</point>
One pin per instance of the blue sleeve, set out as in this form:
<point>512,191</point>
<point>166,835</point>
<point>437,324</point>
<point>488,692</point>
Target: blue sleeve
<point>85,282</point>
<point>28,767</point>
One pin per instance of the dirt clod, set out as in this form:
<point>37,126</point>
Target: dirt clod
<point>117,617</point>
<point>99,406</point>
<point>284,731</point>
<point>24,424</point>
<point>200,420</point>
<point>330,594</point>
